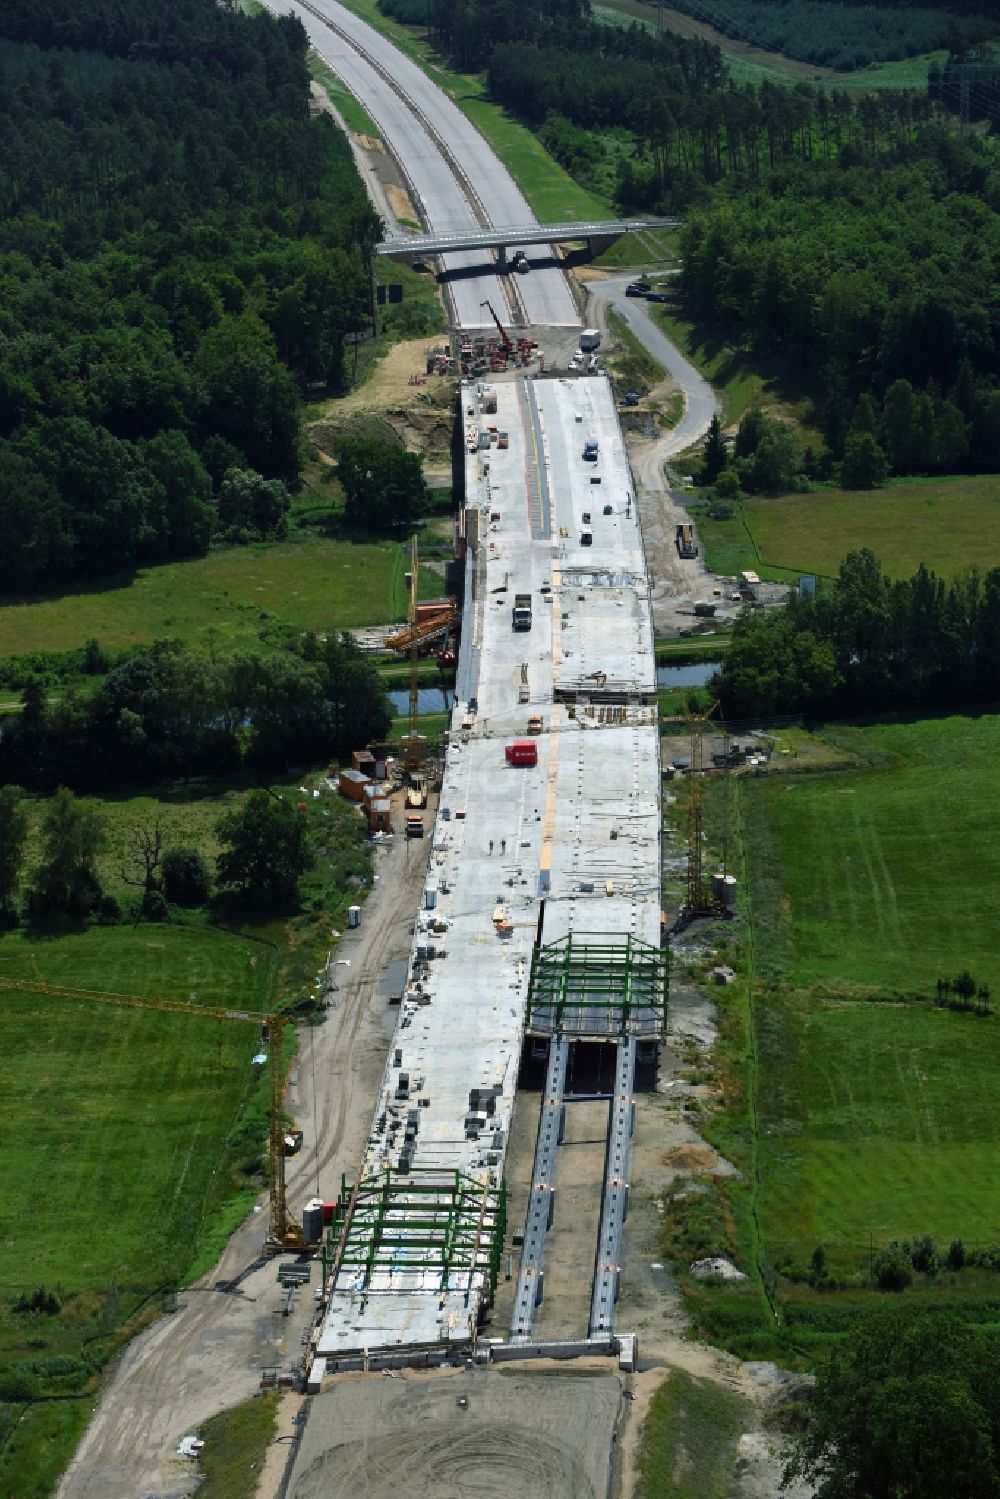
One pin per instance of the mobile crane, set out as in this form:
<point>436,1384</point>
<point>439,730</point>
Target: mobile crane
<point>508,345</point>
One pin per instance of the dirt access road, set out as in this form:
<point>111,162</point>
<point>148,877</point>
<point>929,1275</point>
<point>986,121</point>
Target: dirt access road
<point>208,1354</point>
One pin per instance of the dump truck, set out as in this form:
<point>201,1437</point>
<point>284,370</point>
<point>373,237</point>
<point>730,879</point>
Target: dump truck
<point>522,752</point>
<point>684,540</point>
<point>521,612</point>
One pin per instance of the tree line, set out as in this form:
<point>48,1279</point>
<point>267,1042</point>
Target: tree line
<point>183,248</point>
<point>869,646</point>
<point>173,711</point>
<point>835,35</point>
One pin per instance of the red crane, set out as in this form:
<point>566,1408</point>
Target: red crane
<point>507,343</point>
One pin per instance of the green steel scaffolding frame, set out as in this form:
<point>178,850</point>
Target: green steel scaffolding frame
<point>445,1224</point>
<point>599,986</point>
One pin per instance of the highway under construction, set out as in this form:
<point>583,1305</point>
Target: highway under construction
<point>539,938</point>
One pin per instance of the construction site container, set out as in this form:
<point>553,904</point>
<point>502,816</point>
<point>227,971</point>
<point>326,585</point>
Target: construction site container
<point>364,761</point>
<point>522,752</point>
<point>353,916</point>
<point>352,783</point>
<point>380,815</point>
<point>312,1220</point>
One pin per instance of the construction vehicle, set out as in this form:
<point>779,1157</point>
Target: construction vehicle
<point>535,725</point>
<point>505,338</point>
<point>521,612</point>
<point>414,825</point>
<point>284,1231</point>
<point>684,540</point>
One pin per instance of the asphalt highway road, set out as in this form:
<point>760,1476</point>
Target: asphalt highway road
<point>544,292</point>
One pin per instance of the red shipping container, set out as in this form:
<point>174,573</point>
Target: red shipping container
<point>522,752</point>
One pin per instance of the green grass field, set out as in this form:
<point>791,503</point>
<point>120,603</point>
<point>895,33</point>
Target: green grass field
<point>117,1119</point>
<point>312,582</point>
<point>948,523</point>
<point>878,1116</point>
<point>116,1163</point>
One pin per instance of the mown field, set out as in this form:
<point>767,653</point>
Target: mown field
<point>313,582</point>
<point>948,523</point>
<point>877,1111</point>
<point>115,1155</point>
<point>117,1119</point>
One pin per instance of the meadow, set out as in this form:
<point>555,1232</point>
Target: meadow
<point>947,523</point>
<point>877,1114</point>
<point>118,1119</point>
<point>313,582</point>
<point>119,1157</point>
<point>856,1110</point>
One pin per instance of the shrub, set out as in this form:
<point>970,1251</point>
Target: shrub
<point>923,1256</point>
<point>186,879</point>
<point>892,1270</point>
<point>154,906</point>
<point>955,1258</point>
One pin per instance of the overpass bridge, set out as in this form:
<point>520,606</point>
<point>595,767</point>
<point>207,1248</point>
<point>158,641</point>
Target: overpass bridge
<point>598,234</point>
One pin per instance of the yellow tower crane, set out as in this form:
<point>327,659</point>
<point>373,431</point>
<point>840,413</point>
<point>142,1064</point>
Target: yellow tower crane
<point>285,1232</point>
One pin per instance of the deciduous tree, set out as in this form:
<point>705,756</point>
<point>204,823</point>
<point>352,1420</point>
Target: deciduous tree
<point>265,849</point>
<point>908,1408</point>
<point>13,835</point>
<point>66,882</point>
